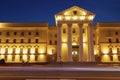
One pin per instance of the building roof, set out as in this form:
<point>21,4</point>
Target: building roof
<point>108,24</point>
<point>25,24</point>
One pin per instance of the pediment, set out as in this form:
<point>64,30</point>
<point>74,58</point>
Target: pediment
<point>75,10</point>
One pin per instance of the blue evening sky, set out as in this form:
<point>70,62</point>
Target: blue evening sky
<point>44,10</point>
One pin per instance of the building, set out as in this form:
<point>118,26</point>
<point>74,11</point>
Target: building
<point>73,39</point>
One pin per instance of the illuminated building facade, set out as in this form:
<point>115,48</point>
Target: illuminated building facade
<point>73,39</point>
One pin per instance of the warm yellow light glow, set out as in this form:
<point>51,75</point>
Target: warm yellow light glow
<point>64,44</point>
<point>10,50</point>
<point>17,50</point>
<point>2,56</point>
<point>67,17</point>
<point>59,17</point>
<point>115,58</point>
<point>84,13</point>
<point>74,52</point>
<point>84,44</point>
<point>90,17</point>
<point>9,58</point>
<point>105,58</point>
<point>74,43</point>
<point>32,58</point>
<point>66,13</point>
<point>41,58</point>
<point>75,17</point>
<point>17,58</point>
<point>105,51</point>
<point>25,58</point>
<point>32,50</point>
<point>50,52</point>
<point>25,50</point>
<point>2,51</point>
<point>114,50</point>
<point>82,17</point>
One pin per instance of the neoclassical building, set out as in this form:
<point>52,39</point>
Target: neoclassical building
<point>73,39</point>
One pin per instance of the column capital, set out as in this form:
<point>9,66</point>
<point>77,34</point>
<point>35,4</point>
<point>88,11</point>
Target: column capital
<point>80,24</point>
<point>59,24</point>
<point>70,24</point>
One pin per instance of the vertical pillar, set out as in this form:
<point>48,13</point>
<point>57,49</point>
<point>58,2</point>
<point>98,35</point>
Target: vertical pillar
<point>91,45</point>
<point>59,43</point>
<point>81,57</point>
<point>70,43</point>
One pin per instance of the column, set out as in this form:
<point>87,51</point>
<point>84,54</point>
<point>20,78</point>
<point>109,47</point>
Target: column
<point>81,56</point>
<point>91,45</point>
<point>59,43</point>
<point>70,43</point>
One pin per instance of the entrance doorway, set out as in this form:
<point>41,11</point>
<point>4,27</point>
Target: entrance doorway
<point>75,56</point>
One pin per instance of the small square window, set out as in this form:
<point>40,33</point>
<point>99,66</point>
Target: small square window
<point>29,33</point>
<point>15,33</point>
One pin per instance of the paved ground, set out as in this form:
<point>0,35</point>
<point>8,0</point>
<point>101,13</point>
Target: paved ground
<point>60,71</point>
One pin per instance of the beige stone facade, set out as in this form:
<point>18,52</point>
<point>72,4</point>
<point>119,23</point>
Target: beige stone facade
<point>73,39</point>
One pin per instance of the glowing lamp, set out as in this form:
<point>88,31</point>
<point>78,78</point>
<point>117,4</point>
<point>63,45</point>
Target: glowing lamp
<point>82,17</point>
<point>75,17</point>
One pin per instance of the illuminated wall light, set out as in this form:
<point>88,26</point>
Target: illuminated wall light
<point>32,50</point>
<point>67,17</point>
<point>84,13</point>
<point>75,17</point>
<point>90,17</point>
<point>115,58</point>
<point>82,17</point>
<point>10,50</point>
<point>2,56</point>
<point>50,52</point>
<point>59,17</point>
<point>32,58</point>
<point>105,51</point>
<point>17,50</point>
<point>25,51</point>
<point>74,52</point>
<point>114,50</point>
<point>25,58</point>
<point>9,58</point>
<point>2,51</point>
<point>17,58</point>
<point>84,44</point>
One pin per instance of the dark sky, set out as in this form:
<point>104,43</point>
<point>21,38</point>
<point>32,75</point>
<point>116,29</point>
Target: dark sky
<point>44,10</point>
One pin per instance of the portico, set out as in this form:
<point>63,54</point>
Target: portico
<point>75,37</point>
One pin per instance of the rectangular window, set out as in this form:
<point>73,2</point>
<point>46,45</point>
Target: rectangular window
<point>22,33</point>
<point>29,33</point>
<point>109,40</point>
<point>0,40</point>
<point>7,40</point>
<point>8,34</point>
<point>37,33</point>
<point>15,33</point>
<point>55,42</point>
<point>117,40</point>
<point>22,40</point>
<point>29,40</point>
<point>36,41</point>
<point>50,42</point>
<point>14,41</point>
<point>116,33</point>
